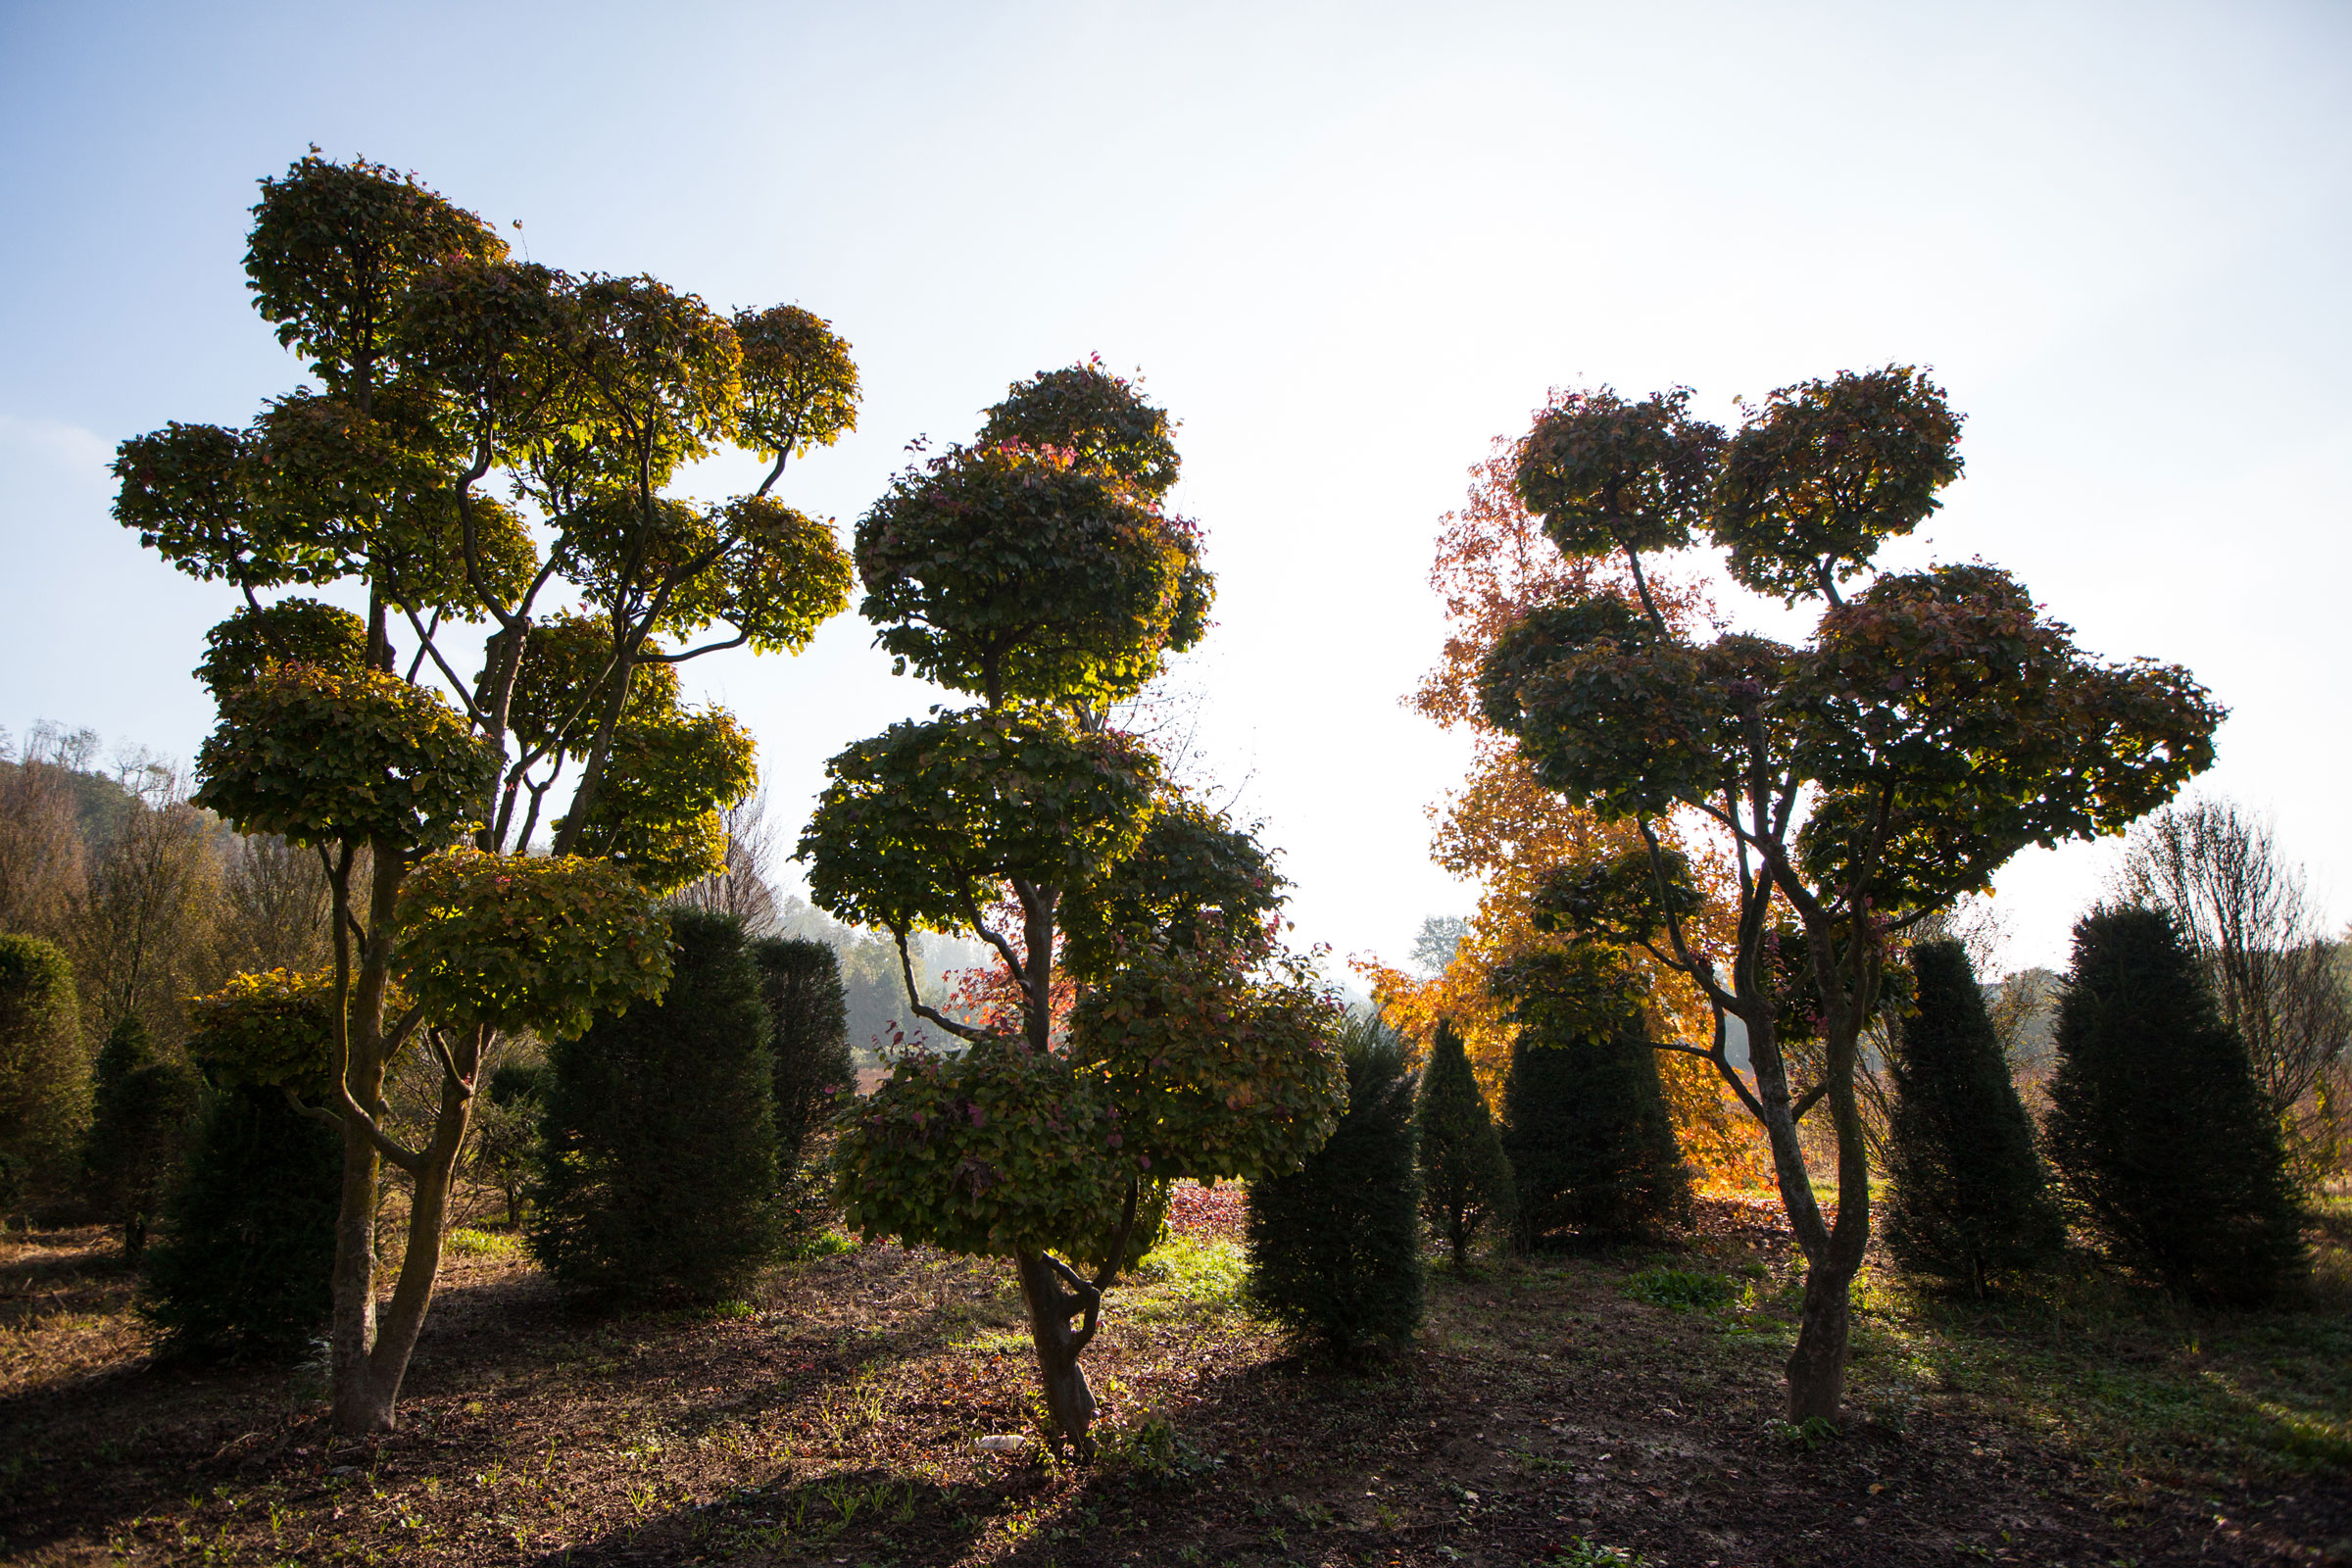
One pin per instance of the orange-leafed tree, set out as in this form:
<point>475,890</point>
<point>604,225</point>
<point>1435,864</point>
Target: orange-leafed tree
<point>1502,828</point>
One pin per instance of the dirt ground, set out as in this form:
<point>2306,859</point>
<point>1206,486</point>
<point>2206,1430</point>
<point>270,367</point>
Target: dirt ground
<point>1564,1411</point>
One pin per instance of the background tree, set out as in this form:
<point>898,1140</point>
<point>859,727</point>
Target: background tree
<point>2157,1123</point>
<point>2277,977</point>
<point>1969,1201</point>
<point>141,933</point>
<point>243,1265</point>
<point>1506,831</point>
<point>44,1072</point>
<point>1465,1180</point>
<point>1584,1123</point>
<point>657,1165</point>
<point>443,369</point>
<point>144,1106</point>
<point>1934,724</point>
<point>1038,571</point>
<point>505,1133</point>
<point>1334,1246</point>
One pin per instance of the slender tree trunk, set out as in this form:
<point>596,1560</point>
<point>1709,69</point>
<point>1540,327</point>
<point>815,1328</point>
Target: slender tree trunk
<point>1051,1305</point>
<point>420,1266</point>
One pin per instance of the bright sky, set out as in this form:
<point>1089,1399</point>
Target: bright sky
<point>1347,245</point>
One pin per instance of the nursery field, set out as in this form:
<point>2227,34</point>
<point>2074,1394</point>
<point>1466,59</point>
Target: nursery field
<point>1570,1411</point>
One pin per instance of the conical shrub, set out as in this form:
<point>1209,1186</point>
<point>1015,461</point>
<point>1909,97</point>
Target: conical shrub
<point>1334,1246</point>
<point>1969,1201</point>
<point>2156,1123</point>
<point>243,1267</point>
<point>1590,1139</point>
<point>1465,1180</point>
<point>657,1145</point>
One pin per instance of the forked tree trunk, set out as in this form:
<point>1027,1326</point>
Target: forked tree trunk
<point>1051,1304</point>
<point>1816,1368</point>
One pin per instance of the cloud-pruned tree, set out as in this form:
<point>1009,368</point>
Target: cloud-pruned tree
<point>482,442</point>
<point>1934,723</point>
<point>1040,571</point>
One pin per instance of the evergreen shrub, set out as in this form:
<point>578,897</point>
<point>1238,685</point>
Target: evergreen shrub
<point>2156,1124</point>
<point>1334,1246</point>
<point>244,1264</point>
<point>44,1072</point>
<point>657,1145</point>
<point>144,1109</point>
<point>1969,1201</point>
<point>1465,1178</point>
<point>1585,1122</point>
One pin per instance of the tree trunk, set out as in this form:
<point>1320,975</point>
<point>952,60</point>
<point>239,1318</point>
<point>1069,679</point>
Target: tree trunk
<point>351,1330</point>
<point>1051,1305</point>
<point>1817,1366</point>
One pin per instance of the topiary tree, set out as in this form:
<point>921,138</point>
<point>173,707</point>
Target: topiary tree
<point>658,1143</point>
<point>1466,1182</point>
<point>1039,572</point>
<point>1934,724</point>
<point>2157,1123</point>
<point>1969,1201</point>
<point>1584,1123</point>
<point>444,371</point>
<point>243,1266</point>
<point>1334,1246</point>
<point>44,1072</point>
<point>143,1110</point>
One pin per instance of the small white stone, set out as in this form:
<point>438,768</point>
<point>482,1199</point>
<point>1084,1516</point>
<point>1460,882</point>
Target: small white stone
<point>1003,1443</point>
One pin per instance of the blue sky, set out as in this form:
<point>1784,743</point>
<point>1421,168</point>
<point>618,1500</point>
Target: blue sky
<point>1347,245</point>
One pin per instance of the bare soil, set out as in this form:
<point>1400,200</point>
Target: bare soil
<point>1557,1410</point>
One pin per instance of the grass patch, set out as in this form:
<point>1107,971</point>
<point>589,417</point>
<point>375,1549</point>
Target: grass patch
<point>466,1241</point>
<point>1682,1289</point>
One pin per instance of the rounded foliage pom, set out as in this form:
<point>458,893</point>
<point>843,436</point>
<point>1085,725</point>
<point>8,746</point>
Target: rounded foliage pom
<point>292,631</point>
<point>669,774</point>
<point>999,1151</point>
<point>529,942</point>
<point>1825,471</point>
<point>271,1031</point>
<point>317,755</point>
<point>1195,882</point>
<point>783,574</point>
<point>1215,1073</point>
<point>1015,573</point>
<point>333,247</point>
<point>1608,476</point>
<point>921,824</point>
<point>800,385</point>
<point>1094,415</point>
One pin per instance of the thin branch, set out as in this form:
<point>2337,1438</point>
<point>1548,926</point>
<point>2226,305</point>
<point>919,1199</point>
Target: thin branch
<point>427,646</point>
<point>1808,1100</point>
<point>406,1158</point>
<point>921,1009</point>
<point>1110,1272</point>
<point>449,1064</point>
